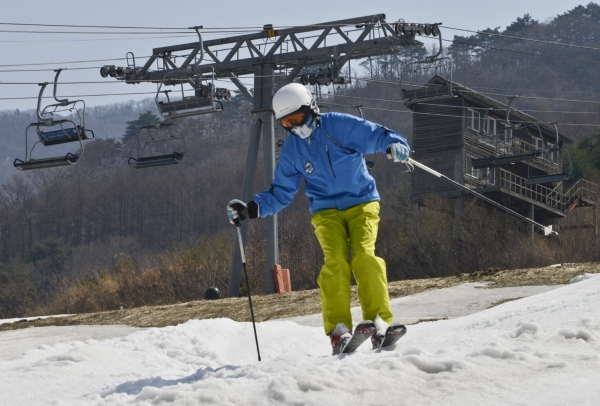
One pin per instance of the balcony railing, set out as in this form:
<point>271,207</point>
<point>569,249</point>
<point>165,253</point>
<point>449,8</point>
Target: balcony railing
<point>582,188</point>
<point>549,162</point>
<point>549,197</point>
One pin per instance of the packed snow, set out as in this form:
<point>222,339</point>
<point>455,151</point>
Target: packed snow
<point>4,321</point>
<point>543,349</point>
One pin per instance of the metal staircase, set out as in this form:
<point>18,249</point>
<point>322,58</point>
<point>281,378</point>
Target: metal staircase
<point>582,194</point>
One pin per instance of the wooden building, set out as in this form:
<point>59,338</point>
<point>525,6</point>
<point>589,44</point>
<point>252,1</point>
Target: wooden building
<point>505,154</point>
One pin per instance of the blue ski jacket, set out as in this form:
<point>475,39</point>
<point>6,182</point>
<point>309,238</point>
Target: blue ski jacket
<point>332,164</point>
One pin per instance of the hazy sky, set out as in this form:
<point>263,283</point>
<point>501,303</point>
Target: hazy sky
<point>26,48</point>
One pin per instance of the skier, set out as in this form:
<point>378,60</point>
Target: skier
<point>327,151</point>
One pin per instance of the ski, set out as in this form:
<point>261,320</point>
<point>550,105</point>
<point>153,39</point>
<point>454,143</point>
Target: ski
<point>363,330</point>
<point>393,333</point>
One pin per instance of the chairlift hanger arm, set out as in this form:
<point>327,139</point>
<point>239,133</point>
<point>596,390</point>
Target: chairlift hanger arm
<point>510,102</point>
<point>520,125</point>
<point>63,102</point>
<point>39,103</point>
<point>556,145</point>
<point>433,58</point>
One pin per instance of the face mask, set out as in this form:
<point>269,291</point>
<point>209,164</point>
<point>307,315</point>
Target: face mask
<point>305,130</point>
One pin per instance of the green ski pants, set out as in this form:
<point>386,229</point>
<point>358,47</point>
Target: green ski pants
<point>336,229</point>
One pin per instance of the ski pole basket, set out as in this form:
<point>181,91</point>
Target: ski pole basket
<point>51,129</point>
<point>153,143</point>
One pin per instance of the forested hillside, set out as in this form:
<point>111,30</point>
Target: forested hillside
<point>100,234</point>
<point>539,71</point>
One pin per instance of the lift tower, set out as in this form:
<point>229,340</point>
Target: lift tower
<point>287,50</point>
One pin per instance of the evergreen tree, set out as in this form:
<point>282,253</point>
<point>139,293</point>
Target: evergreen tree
<point>586,158</point>
<point>522,24</point>
<point>131,131</point>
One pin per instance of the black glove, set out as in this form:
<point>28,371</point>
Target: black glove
<point>238,209</point>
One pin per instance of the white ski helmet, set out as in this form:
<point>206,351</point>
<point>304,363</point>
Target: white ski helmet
<point>291,98</point>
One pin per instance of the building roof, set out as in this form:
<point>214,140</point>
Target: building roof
<point>515,116</point>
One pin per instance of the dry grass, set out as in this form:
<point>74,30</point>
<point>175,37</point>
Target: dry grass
<point>302,302</point>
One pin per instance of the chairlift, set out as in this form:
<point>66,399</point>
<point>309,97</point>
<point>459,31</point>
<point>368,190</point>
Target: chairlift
<point>556,177</point>
<point>162,133</point>
<point>546,178</point>
<point>499,159</point>
<point>60,131</point>
<point>206,99</point>
<point>435,62</point>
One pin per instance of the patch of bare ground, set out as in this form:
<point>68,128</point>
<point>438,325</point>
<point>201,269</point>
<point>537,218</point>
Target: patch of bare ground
<point>269,307</point>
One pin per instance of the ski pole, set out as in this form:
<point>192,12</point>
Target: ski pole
<point>547,230</point>
<point>238,224</point>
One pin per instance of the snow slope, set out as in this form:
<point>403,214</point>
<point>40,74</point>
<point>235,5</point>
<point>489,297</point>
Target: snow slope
<point>540,350</point>
<point>460,300</point>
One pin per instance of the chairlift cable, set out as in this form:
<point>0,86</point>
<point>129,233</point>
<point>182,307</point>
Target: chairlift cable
<point>44,70</point>
<point>521,52</point>
<point>504,109</point>
<point>92,39</point>
<point>133,27</point>
<point>330,104</point>
<point>93,26</point>
<point>444,115</point>
<point>493,94</point>
<point>82,95</point>
<point>474,87</point>
<point>94,32</point>
<point>317,26</point>
<point>204,29</point>
<point>343,96</point>
<point>64,63</point>
<point>522,38</point>
<point>115,59</point>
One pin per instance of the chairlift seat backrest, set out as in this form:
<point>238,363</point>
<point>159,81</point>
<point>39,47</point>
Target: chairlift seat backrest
<point>62,136</point>
<point>189,106</point>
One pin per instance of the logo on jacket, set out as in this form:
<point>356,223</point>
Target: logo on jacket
<point>309,167</point>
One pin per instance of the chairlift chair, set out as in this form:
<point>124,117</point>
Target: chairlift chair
<point>171,134</point>
<point>499,159</point>
<point>65,131</point>
<point>206,99</point>
<point>555,177</point>
<point>545,178</point>
<point>428,93</point>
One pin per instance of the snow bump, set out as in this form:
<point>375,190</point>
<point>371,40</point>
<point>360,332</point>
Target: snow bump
<point>577,334</point>
<point>527,328</point>
<point>433,366</point>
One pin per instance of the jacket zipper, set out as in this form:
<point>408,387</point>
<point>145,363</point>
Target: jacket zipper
<point>340,145</point>
<point>329,159</point>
